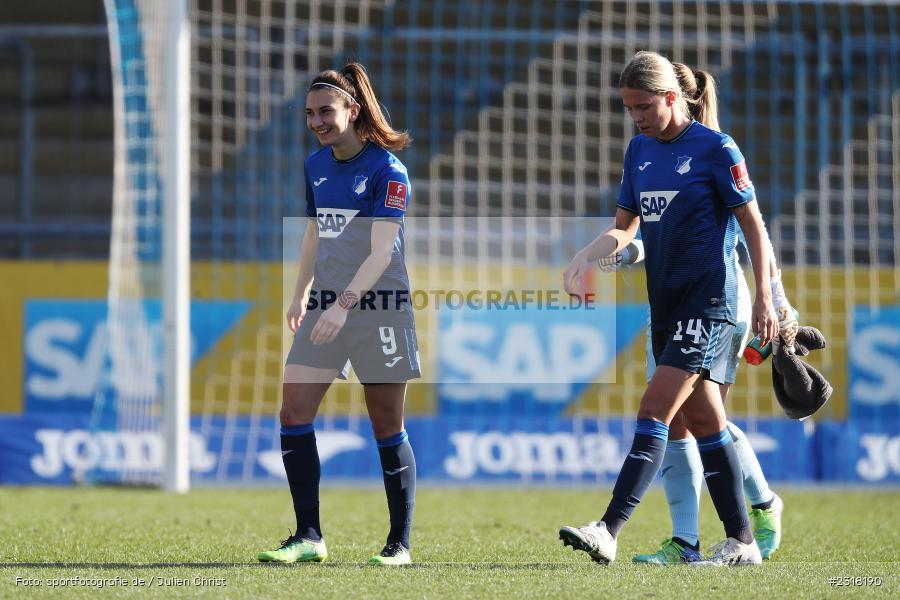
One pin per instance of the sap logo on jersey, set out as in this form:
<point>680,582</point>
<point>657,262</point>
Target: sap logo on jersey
<point>654,204</point>
<point>333,221</point>
<point>81,451</point>
<point>529,454</point>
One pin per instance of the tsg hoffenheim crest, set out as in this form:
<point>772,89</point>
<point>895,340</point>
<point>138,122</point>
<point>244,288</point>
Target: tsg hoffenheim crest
<point>359,184</point>
<point>683,164</point>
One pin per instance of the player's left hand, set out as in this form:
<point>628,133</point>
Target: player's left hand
<point>765,321</point>
<point>573,275</point>
<point>329,325</point>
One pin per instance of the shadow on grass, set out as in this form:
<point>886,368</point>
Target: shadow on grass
<point>423,566</point>
<point>486,566</point>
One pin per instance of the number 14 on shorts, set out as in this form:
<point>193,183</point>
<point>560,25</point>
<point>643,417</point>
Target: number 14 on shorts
<point>693,329</point>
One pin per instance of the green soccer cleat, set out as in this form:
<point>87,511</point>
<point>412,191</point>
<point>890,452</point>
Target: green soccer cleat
<point>766,524</point>
<point>296,549</point>
<point>393,554</point>
<point>670,553</point>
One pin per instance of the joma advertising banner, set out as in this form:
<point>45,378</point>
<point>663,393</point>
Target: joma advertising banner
<point>65,448</point>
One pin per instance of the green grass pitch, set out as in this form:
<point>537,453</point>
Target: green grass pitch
<point>467,543</point>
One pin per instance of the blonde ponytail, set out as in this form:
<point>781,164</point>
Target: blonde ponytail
<point>698,88</point>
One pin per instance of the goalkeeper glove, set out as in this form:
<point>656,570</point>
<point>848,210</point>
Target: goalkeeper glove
<point>629,255</point>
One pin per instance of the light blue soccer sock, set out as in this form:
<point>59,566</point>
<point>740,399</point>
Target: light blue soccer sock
<point>756,488</point>
<point>682,476</point>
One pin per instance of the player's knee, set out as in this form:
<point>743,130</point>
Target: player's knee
<point>654,406</point>
<point>703,424</point>
<point>649,411</point>
<point>385,423</point>
<point>382,429</point>
<point>288,416</point>
<point>293,411</point>
<point>678,429</point>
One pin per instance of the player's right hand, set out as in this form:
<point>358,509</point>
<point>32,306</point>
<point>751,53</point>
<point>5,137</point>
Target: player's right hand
<point>295,314</point>
<point>611,264</point>
<point>574,274</point>
<point>765,322</point>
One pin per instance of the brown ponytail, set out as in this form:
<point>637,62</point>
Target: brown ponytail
<point>371,123</point>
<point>698,88</point>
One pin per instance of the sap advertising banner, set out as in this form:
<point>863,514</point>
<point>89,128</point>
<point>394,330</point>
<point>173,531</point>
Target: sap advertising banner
<point>874,363</point>
<point>529,360</point>
<point>63,449</point>
<point>66,348</point>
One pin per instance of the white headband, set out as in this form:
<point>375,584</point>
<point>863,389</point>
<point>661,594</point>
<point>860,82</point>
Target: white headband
<point>345,92</point>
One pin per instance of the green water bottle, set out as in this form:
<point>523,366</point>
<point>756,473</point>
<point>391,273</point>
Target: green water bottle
<point>755,353</point>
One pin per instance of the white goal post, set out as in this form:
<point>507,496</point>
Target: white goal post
<point>177,251</point>
<point>150,241</point>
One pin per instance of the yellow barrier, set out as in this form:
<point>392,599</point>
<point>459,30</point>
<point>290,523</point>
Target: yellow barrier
<point>242,373</point>
<point>24,280</point>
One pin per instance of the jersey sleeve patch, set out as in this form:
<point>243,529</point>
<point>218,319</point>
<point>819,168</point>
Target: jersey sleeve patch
<point>396,195</point>
<point>740,176</point>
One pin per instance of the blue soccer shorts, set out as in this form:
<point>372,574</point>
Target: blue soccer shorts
<point>705,346</point>
<point>738,339</point>
<point>378,354</point>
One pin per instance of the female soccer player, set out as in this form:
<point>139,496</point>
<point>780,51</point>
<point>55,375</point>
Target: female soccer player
<point>350,302</point>
<point>681,470</point>
<point>688,189</point>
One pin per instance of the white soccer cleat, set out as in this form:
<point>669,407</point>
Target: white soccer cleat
<point>731,553</point>
<point>592,538</point>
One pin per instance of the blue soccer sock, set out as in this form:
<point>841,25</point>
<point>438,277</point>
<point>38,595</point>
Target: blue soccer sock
<point>722,472</point>
<point>398,466</point>
<point>682,477</point>
<point>638,471</point>
<point>301,464</point>
<point>755,485</point>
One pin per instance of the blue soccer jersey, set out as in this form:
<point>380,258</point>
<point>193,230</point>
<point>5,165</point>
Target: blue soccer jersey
<point>684,191</point>
<point>345,197</point>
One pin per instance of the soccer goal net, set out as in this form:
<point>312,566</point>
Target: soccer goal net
<point>515,112</point>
